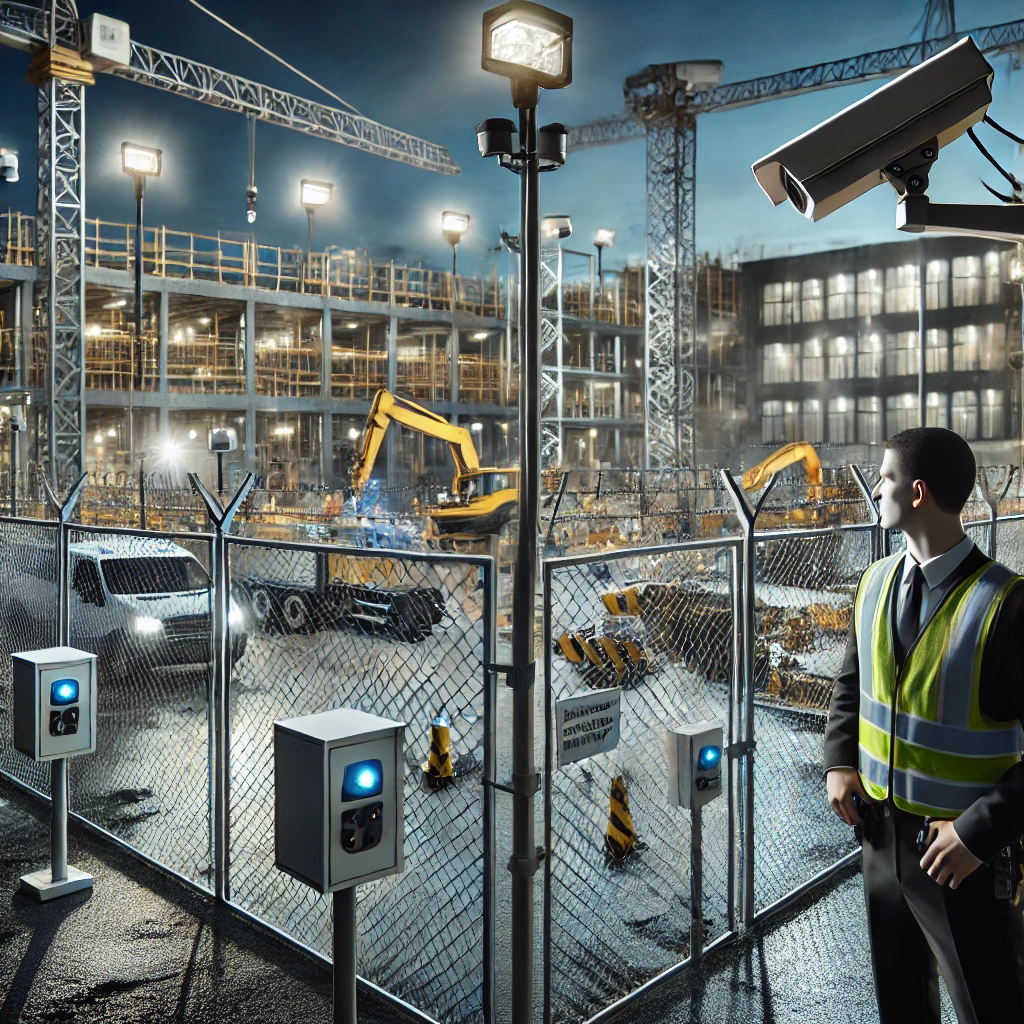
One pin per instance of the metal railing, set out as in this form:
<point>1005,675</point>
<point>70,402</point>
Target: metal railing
<point>344,274</point>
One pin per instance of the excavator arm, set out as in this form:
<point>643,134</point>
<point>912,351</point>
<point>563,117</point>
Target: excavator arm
<point>388,408</point>
<point>758,476</point>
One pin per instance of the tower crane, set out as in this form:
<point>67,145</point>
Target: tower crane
<point>52,31</point>
<point>662,105</point>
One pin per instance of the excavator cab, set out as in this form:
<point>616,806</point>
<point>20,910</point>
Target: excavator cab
<point>486,482</point>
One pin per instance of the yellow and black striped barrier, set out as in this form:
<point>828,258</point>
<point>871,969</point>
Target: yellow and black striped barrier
<point>620,837</point>
<point>437,769</point>
<point>605,660</point>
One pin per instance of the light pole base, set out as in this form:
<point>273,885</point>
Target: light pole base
<point>39,886</point>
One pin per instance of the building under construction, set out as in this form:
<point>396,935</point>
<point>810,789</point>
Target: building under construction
<point>290,349</point>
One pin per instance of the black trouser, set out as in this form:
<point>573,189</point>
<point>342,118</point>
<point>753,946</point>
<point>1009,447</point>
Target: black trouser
<point>915,925</point>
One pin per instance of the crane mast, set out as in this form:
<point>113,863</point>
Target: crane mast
<point>51,30</point>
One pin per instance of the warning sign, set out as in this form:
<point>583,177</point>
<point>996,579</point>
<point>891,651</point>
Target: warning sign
<point>586,725</point>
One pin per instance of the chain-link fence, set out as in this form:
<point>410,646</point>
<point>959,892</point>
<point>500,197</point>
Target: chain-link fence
<point>143,604</point>
<point>804,587</point>
<point>661,624</point>
<point>407,639</point>
<point>29,571</point>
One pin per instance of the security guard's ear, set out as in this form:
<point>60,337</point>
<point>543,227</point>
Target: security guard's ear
<point>920,493</point>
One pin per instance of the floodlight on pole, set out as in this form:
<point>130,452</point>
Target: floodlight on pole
<point>454,225</point>
<point>140,162</point>
<point>532,46</point>
<point>603,238</point>
<point>313,194</point>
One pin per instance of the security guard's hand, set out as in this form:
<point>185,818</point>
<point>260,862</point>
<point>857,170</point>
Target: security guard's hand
<point>841,784</point>
<point>947,859</point>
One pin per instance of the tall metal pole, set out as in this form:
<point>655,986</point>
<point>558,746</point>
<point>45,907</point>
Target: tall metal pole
<point>135,361</point>
<point>922,348</point>
<point>14,469</point>
<point>309,244</point>
<point>525,781</point>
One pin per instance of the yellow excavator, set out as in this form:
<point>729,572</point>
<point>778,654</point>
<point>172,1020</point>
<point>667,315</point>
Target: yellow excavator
<point>482,499</point>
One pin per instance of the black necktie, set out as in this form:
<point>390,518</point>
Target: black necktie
<point>909,620</point>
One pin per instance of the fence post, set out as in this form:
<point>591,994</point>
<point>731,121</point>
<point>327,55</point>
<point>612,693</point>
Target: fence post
<point>876,532</point>
<point>220,724</point>
<point>60,797</point>
<point>741,740</point>
<point>992,500</point>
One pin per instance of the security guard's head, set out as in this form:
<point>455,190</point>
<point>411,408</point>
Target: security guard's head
<point>927,473</point>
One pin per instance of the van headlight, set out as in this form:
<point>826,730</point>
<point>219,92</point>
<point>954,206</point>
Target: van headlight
<point>235,618</point>
<point>147,625</point>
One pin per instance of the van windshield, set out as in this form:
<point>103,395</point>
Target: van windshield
<point>160,575</point>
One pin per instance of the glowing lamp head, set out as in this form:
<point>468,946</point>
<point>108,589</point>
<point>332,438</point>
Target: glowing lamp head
<point>528,42</point>
<point>316,193</point>
<point>454,225</point>
<point>604,238</point>
<point>362,779</point>
<point>63,691</point>
<point>141,160</point>
<point>709,758</point>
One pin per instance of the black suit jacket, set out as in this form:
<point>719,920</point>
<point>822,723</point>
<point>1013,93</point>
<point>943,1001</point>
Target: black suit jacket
<point>997,818</point>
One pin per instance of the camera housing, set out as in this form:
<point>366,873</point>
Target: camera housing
<point>8,166</point>
<point>840,159</point>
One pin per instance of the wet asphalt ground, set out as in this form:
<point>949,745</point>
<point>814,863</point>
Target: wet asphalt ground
<point>142,947</point>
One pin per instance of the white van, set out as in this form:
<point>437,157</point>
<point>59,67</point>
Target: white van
<point>142,603</point>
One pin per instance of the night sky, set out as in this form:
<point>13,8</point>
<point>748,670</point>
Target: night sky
<point>415,65</point>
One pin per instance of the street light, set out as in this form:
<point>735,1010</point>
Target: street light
<point>454,225</point>
<point>603,237</point>
<point>532,46</point>
<point>314,194</point>
<point>141,162</point>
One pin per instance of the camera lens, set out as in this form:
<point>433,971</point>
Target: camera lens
<point>928,153</point>
<point>916,183</point>
<point>793,190</point>
<point>896,169</point>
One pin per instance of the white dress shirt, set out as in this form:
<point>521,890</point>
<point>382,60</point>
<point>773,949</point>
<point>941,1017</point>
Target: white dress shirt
<point>935,570</point>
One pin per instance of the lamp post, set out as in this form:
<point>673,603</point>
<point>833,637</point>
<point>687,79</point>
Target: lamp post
<point>603,237</point>
<point>314,194</point>
<point>141,163</point>
<point>454,225</point>
<point>532,46</point>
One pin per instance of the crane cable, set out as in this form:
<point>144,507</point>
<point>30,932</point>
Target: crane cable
<point>270,53</point>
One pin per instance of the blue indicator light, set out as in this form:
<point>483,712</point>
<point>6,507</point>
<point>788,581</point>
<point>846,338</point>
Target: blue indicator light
<point>63,691</point>
<point>709,758</point>
<point>362,779</point>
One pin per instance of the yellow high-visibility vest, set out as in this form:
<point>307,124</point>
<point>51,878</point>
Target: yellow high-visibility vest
<point>947,753</point>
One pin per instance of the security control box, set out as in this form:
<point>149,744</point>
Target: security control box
<point>695,756</point>
<point>54,703</point>
<point>338,779</point>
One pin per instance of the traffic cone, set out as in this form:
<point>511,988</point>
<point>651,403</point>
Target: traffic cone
<point>620,837</point>
<point>437,769</point>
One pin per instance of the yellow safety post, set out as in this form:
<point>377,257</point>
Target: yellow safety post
<point>437,769</point>
<point>620,837</point>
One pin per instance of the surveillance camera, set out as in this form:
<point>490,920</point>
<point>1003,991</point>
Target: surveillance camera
<point>8,166</point>
<point>17,422</point>
<point>893,134</point>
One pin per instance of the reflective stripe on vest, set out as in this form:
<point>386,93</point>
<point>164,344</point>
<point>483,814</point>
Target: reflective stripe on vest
<point>947,753</point>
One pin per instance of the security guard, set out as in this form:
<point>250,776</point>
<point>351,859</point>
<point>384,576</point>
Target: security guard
<point>923,746</point>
